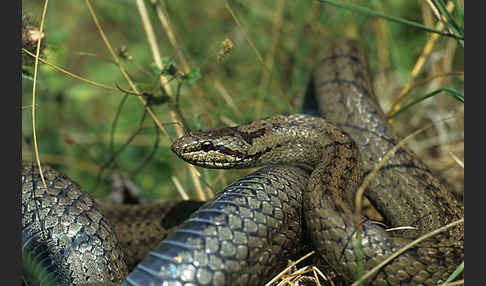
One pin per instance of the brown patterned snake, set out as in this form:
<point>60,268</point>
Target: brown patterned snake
<point>245,234</point>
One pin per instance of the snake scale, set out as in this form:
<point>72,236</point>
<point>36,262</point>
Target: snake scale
<point>304,195</point>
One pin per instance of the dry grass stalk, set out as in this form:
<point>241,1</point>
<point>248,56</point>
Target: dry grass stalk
<point>36,65</point>
<point>165,84</point>
<point>419,64</point>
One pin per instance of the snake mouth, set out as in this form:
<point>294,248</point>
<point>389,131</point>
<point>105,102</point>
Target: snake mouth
<point>210,159</point>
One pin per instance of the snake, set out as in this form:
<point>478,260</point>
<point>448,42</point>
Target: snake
<point>302,197</point>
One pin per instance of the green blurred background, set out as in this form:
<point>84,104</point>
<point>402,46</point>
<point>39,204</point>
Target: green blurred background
<point>75,119</point>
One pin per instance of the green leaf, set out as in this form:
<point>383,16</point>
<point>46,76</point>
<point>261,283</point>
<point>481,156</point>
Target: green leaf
<point>170,67</point>
<point>449,91</point>
<point>193,75</point>
<point>157,71</point>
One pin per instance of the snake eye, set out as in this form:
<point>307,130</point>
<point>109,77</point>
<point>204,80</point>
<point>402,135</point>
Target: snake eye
<point>206,146</point>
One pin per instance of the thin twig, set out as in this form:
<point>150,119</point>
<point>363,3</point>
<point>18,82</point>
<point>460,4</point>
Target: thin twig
<point>122,69</point>
<point>68,73</point>
<point>149,157</point>
<point>164,20</point>
<point>245,34</point>
<point>88,54</point>
<point>257,53</point>
<point>441,75</point>
<point>115,122</point>
<point>36,64</point>
<point>114,155</point>
<point>227,98</point>
<point>166,24</point>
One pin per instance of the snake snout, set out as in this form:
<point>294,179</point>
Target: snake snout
<point>176,146</point>
<point>183,145</point>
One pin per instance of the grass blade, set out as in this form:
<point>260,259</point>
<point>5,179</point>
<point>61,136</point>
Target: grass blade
<point>448,20</point>
<point>456,273</point>
<point>373,13</point>
<point>460,14</point>
<point>34,271</point>
<point>443,11</point>
<point>452,92</point>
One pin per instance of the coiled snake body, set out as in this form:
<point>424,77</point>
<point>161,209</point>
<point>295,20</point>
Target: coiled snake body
<point>246,234</point>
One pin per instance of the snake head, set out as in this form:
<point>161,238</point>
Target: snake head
<point>221,148</point>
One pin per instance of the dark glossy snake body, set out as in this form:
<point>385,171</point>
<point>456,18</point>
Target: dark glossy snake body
<point>246,234</point>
